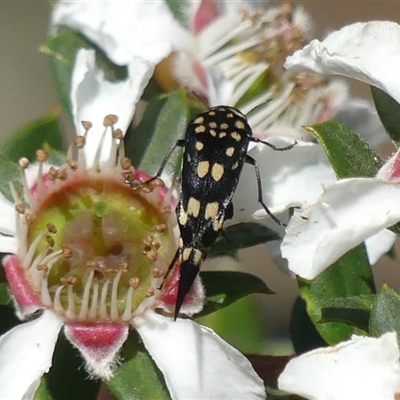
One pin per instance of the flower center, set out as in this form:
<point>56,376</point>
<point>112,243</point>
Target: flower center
<point>103,245</point>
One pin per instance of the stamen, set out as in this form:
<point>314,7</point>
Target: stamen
<point>95,301</point>
<point>41,156</point>
<point>103,301</point>
<point>86,297</point>
<point>70,313</point>
<point>114,297</point>
<point>27,261</point>
<point>58,307</point>
<point>45,294</point>
<point>24,163</point>
<point>127,315</point>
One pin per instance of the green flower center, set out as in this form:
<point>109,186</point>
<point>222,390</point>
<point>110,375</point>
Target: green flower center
<point>103,252</point>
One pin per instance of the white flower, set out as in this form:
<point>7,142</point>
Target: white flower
<point>356,51</point>
<point>223,50</point>
<point>87,239</point>
<point>352,210</point>
<point>124,29</point>
<point>361,368</point>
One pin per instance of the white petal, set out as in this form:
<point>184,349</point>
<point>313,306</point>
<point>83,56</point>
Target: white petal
<point>93,98</point>
<point>356,51</point>
<point>348,213</point>
<point>124,29</point>
<point>379,244</point>
<point>361,117</point>
<point>7,217</point>
<point>26,353</point>
<point>196,363</point>
<point>293,178</point>
<point>8,244</point>
<point>361,368</point>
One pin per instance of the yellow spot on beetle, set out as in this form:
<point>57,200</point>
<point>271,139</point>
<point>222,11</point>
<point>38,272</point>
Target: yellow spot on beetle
<point>202,168</point>
<point>199,146</point>
<point>200,129</point>
<point>239,124</point>
<point>193,207</point>
<point>236,136</point>
<point>222,135</point>
<point>224,126</point>
<point>199,120</point>
<point>197,257</point>
<point>229,115</point>
<point>212,125</point>
<point>183,217</point>
<point>211,210</point>
<point>187,251</point>
<point>211,113</point>
<point>213,133</point>
<point>229,151</point>
<point>217,171</point>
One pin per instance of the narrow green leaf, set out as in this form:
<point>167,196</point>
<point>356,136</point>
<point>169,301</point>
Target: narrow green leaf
<point>5,298</point>
<point>385,313</point>
<point>239,324</point>
<point>350,276</point>
<point>9,172</point>
<point>349,155</point>
<point>163,123</point>
<point>225,287</point>
<point>180,10</point>
<point>389,113</point>
<point>42,133</point>
<point>138,377</point>
<point>62,48</point>
<point>349,310</point>
<point>240,236</point>
<point>303,333</point>
<point>8,318</point>
<point>67,379</point>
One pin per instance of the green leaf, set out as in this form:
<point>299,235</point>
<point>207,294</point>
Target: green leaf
<point>303,333</point>
<point>67,379</point>
<point>180,10</point>
<point>349,310</point>
<point>8,318</point>
<point>138,377</point>
<point>240,236</point>
<point>43,133</point>
<point>240,325</point>
<point>62,48</point>
<point>9,172</point>
<point>389,113</point>
<point>225,287</point>
<point>164,121</point>
<point>5,298</point>
<point>350,276</point>
<point>385,313</point>
<point>349,155</point>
